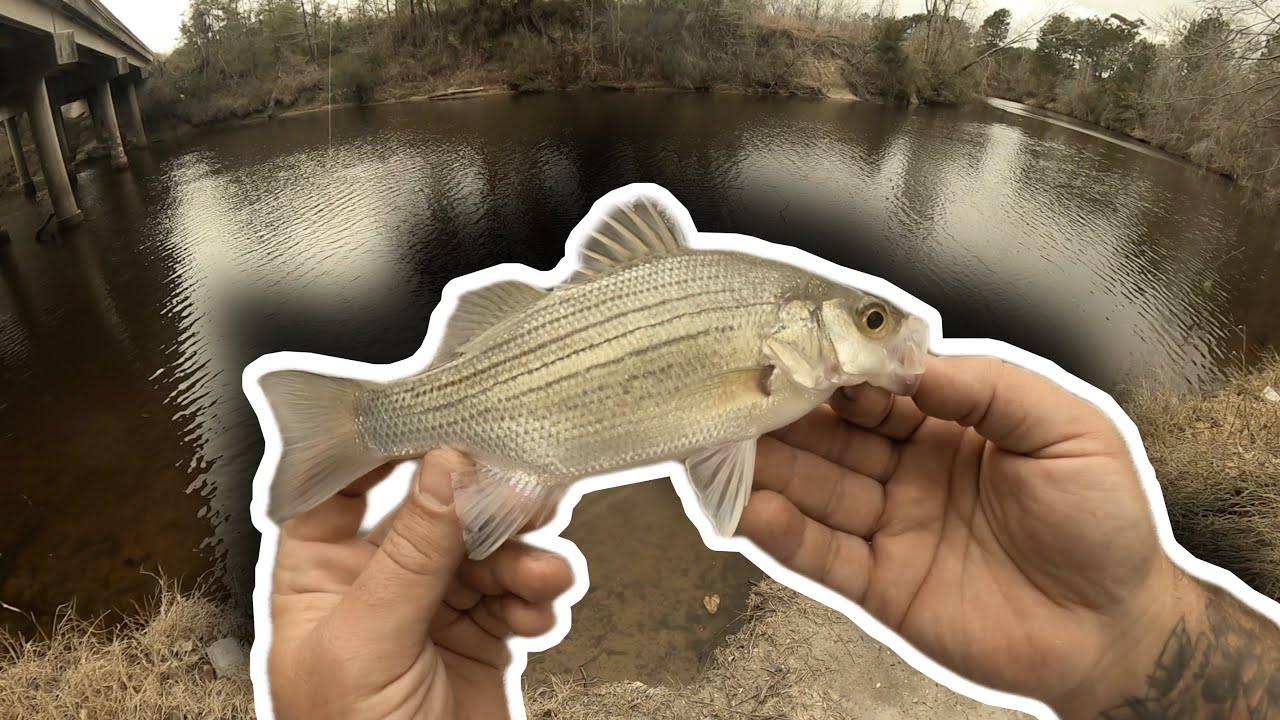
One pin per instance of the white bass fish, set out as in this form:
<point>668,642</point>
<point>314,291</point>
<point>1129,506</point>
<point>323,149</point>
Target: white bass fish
<point>652,351</point>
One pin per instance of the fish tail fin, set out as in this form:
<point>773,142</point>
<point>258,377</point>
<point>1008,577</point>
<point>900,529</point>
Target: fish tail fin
<point>320,451</point>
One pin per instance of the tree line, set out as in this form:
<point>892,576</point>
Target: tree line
<point>1204,86</point>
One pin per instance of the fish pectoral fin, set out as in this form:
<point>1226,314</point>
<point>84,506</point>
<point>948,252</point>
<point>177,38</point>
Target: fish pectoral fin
<point>484,308</point>
<point>494,505</point>
<point>794,363</point>
<point>629,231</point>
<point>722,478</point>
<point>733,387</point>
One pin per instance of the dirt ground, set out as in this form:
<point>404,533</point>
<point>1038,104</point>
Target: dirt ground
<point>790,658</point>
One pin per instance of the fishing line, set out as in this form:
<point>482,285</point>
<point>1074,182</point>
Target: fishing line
<point>330,83</point>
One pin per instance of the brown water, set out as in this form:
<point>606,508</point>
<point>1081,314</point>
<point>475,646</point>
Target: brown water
<point>128,446</point>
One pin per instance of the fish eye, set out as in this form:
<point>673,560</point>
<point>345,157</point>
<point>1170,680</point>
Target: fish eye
<point>874,319</point>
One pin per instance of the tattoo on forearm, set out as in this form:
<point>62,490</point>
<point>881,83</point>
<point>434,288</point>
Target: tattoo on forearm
<point>1228,669</point>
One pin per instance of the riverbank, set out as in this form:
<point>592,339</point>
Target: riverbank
<point>1189,127</point>
<point>1216,453</point>
<point>174,113</point>
<point>1139,135</point>
<point>252,65</point>
<point>1217,456</point>
<point>307,105</point>
<point>230,112</point>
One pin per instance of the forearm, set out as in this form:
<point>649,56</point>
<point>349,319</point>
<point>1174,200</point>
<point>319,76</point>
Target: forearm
<point>1209,656</point>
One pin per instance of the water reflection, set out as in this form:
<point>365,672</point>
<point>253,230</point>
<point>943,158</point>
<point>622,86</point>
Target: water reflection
<point>122,344</point>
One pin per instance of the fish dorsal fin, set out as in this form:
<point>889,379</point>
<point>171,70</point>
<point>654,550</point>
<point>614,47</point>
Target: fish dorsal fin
<point>482,309</point>
<point>629,232</point>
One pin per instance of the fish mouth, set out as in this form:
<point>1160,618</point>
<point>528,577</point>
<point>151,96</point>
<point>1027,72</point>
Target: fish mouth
<point>903,362</point>
<point>908,357</point>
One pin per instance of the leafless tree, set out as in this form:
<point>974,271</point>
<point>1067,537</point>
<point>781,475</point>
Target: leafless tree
<point>1031,30</point>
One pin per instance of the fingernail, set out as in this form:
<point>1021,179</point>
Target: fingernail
<point>540,555</point>
<point>435,485</point>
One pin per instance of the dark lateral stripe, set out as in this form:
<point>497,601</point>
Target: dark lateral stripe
<point>454,402</point>
<point>557,341</point>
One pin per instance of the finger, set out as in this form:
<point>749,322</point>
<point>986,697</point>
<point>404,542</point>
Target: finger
<point>1016,409</point>
<point>838,560</point>
<point>461,597</point>
<point>526,618</point>
<point>462,636</point>
<point>317,567</point>
<point>379,531</point>
<point>337,518</point>
<point>534,575</point>
<point>878,410</point>
<point>391,604</point>
<point>831,494</point>
<point>506,615</point>
<point>488,615</point>
<point>825,434</point>
<point>500,617</point>
<point>514,568</point>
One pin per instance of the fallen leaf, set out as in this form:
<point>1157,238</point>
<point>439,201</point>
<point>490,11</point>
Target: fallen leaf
<point>711,603</point>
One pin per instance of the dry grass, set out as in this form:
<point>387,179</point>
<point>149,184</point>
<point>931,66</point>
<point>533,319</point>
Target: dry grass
<point>152,666</point>
<point>1217,456</point>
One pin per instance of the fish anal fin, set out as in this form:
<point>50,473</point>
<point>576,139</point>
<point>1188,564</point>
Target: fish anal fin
<point>628,232</point>
<point>722,476</point>
<point>496,504</point>
<point>482,309</point>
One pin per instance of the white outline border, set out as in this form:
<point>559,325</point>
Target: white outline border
<point>384,498</point>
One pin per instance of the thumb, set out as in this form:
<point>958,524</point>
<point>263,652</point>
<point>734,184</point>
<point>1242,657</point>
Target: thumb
<point>404,583</point>
<point>1014,408</point>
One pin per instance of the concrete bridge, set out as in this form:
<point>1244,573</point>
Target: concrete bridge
<point>56,52</point>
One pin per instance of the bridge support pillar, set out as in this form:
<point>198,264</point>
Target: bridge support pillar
<point>45,131</point>
<point>68,158</point>
<point>135,113</point>
<point>19,159</point>
<point>111,126</point>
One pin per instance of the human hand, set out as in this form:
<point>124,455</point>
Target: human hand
<point>397,624</point>
<point>994,520</point>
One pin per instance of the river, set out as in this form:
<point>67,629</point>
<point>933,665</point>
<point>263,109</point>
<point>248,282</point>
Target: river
<point>128,445</point>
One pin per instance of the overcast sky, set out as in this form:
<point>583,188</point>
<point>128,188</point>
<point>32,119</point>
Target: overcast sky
<point>156,22</point>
